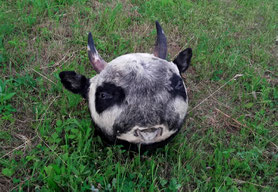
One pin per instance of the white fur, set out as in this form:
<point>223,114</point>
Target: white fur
<point>180,107</point>
<point>124,59</point>
<point>130,59</point>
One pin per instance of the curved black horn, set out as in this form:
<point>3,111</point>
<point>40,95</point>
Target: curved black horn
<point>95,59</point>
<point>160,49</point>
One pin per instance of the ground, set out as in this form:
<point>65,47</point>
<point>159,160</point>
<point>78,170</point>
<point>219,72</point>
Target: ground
<point>229,141</point>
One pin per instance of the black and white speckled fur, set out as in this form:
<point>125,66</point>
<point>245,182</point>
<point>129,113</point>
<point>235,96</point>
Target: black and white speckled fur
<point>152,99</point>
<point>148,103</point>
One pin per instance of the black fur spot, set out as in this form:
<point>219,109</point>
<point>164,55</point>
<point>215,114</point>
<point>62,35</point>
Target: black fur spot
<point>177,87</point>
<point>107,96</point>
<point>75,83</point>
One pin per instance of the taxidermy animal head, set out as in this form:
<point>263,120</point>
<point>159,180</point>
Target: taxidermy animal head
<point>137,99</point>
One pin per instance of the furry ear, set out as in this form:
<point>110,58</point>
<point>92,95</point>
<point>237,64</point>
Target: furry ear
<point>183,60</point>
<point>75,83</point>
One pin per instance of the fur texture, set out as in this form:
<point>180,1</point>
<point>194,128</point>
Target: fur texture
<point>151,99</point>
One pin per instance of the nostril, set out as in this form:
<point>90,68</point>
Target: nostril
<point>160,131</point>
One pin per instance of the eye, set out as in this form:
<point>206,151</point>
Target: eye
<point>108,95</point>
<point>178,88</point>
<point>105,95</point>
<point>179,85</point>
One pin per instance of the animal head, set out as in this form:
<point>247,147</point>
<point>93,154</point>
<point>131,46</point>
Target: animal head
<point>137,98</point>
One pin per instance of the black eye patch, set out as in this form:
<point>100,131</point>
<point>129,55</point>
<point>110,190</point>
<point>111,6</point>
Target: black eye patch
<point>107,96</point>
<point>177,87</point>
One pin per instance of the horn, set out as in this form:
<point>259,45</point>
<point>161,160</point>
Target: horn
<point>95,59</point>
<point>160,49</point>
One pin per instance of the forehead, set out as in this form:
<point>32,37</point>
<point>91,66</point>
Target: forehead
<point>138,68</point>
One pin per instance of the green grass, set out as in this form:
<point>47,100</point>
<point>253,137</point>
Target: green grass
<point>229,141</point>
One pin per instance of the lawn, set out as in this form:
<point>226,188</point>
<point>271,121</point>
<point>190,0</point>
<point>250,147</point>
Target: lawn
<point>230,138</point>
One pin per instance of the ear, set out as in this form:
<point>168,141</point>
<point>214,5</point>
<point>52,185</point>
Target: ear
<point>75,83</point>
<point>183,60</point>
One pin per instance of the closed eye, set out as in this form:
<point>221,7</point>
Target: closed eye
<point>178,88</point>
<point>179,85</point>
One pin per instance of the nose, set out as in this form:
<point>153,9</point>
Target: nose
<point>149,134</point>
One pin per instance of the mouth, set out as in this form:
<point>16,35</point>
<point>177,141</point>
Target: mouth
<point>143,135</point>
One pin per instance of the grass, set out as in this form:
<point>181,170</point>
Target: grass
<point>229,141</point>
